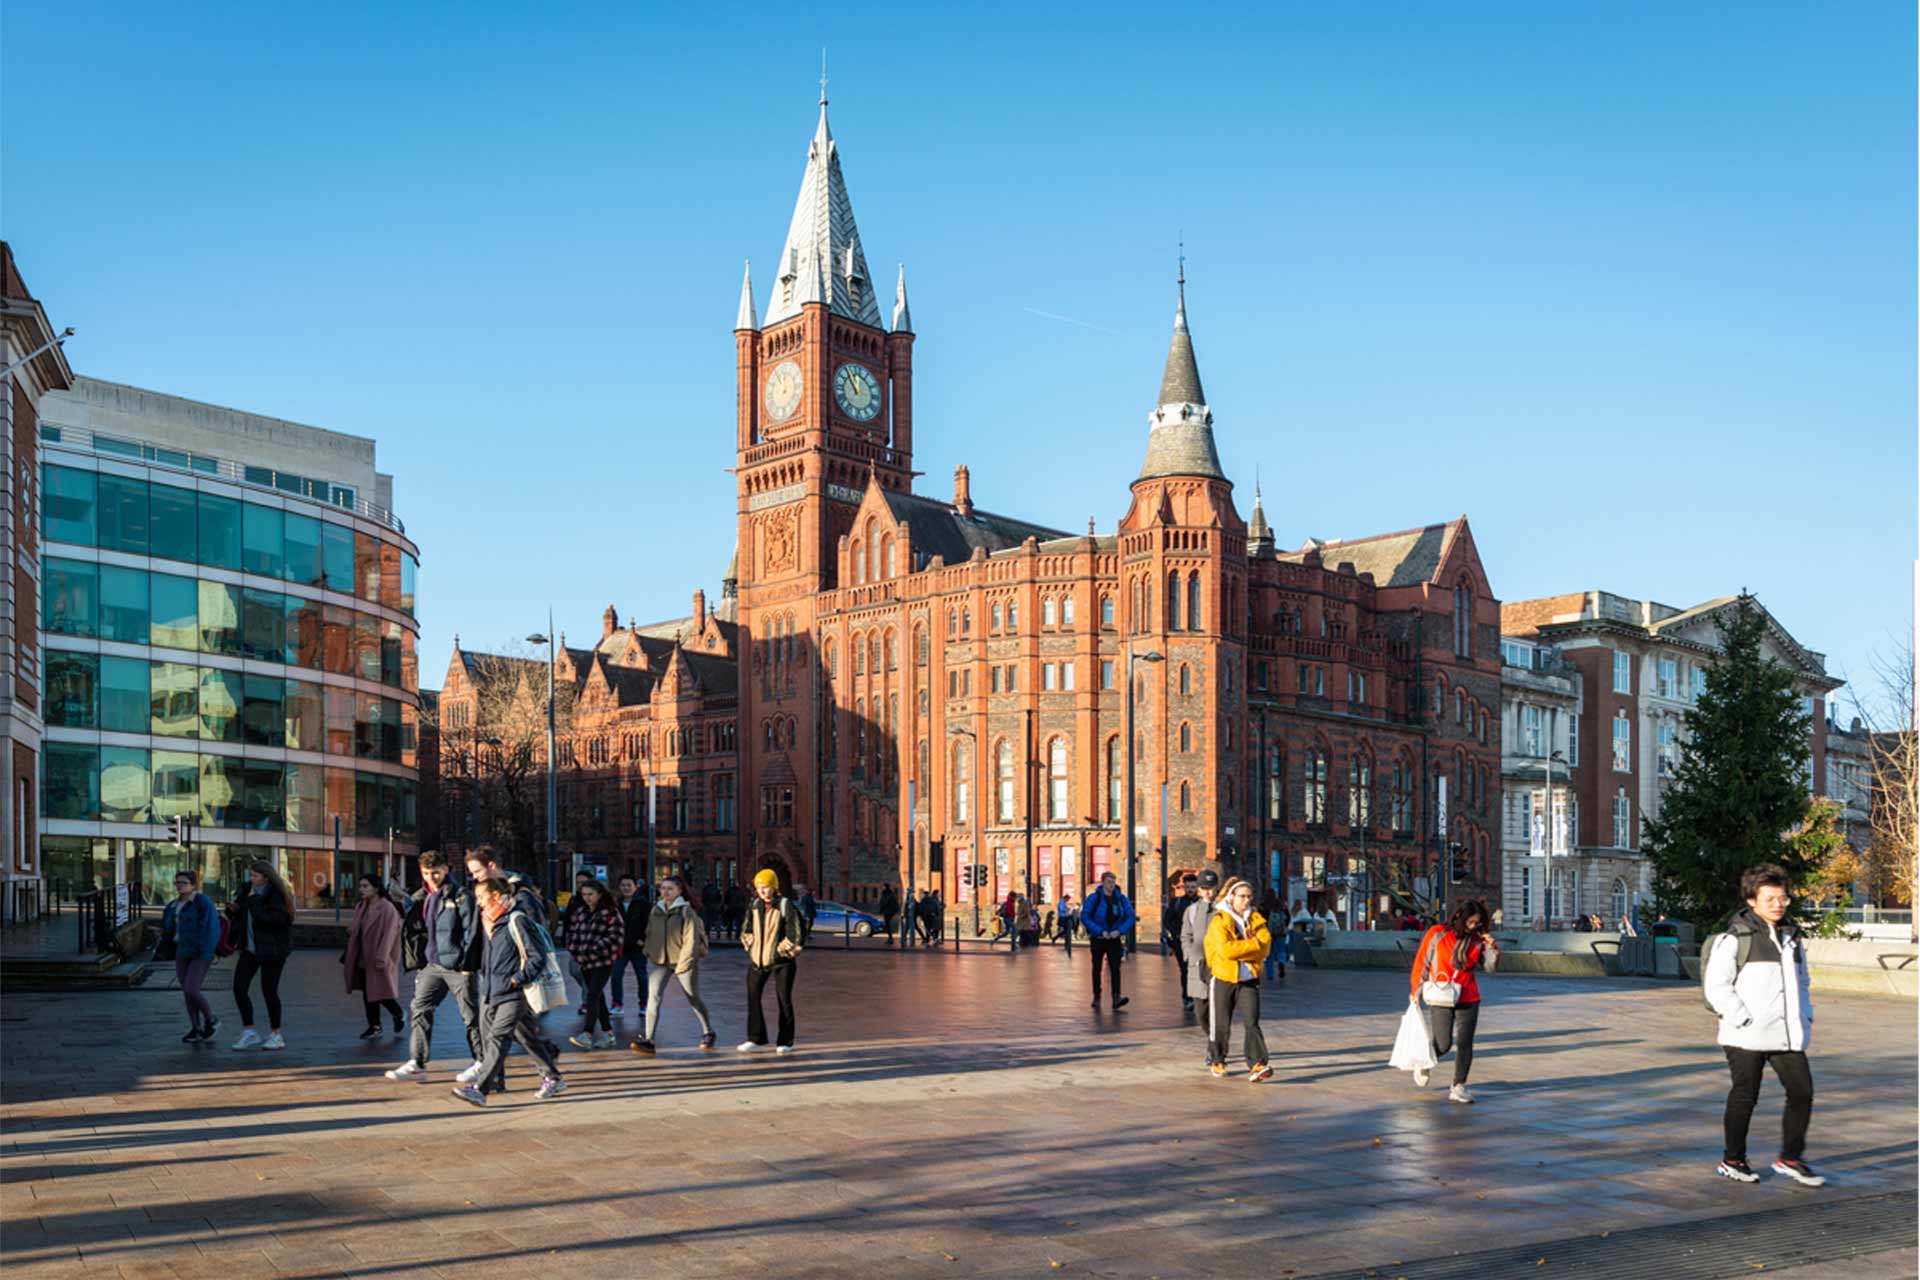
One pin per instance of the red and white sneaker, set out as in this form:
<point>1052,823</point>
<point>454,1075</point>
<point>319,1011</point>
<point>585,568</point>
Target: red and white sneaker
<point>1799,1172</point>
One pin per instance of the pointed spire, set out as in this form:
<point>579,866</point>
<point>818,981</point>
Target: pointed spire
<point>1181,440</point>
<point>902,318</point>
<point>1259,532</point>
<point>746,319</point>
<point>1180,384</point>
<point>823,260</point>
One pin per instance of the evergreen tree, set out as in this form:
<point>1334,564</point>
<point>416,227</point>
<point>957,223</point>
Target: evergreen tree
<point>1739,791</point>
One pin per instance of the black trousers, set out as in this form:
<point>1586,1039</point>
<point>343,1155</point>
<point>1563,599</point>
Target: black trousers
<point>1223,999</point>
<point>1796,1077</point>
<point>1107,950</point>
<point>782,975</point>
<point>1453,1029</point>
<point>269,969</point>
<point>1179,963</point>
<point>1202,1006</point>
<point>594,980</point>
<point>373,1013</point>
<point>430,987</point>
<point>511,1020</point>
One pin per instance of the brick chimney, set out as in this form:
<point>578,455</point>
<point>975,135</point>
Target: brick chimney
<point>699,606</point>
<point>962,491</point>
<point>609,622</point>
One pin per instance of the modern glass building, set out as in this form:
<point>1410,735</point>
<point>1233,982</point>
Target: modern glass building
<point>228,627</point>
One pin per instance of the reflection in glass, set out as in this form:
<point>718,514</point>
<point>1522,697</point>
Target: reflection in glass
<point>263,625</point>
<point>303,563</point>
<point>262,539</point>
<point>222,786</point>
<point>174,522</point>
<point>175,606</point>
<point>70,601</point>
<point>67,500</point>
<point>220,700</point>
<point>126,791</point>
<point>220,619</point>
<point>219,531</point>
<point>126,700</point>
<point>70,786</point>
<point>336,549</point>
<point>123,604</point>
<point>176,785</point>
<point>176,700</point>
<point>306,716</point>
<point>124,524</point>
<point>263,716</point>
<point>306,790</point>
<point>73,689</point>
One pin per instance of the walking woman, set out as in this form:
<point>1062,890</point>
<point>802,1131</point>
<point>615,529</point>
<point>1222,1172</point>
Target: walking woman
<point>263,932</point>
<point>1444,966</point>
<point>192,924</point>
<point>676,944</point>
<point>372,957</point>
<point>1236,947</point>
<point>595,935</point>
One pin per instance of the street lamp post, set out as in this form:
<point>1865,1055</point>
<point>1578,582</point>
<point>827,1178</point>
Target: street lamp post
<point>1152,656</point>
<point>973,809</point>
<point>553,816</point>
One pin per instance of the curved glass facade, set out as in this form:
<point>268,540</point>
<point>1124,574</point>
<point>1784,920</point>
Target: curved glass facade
<point>246,661</point>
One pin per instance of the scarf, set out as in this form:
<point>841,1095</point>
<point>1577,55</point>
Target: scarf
<point>494,912</point>
<point>1242,929</point>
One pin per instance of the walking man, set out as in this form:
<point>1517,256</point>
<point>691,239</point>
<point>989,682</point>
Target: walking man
<point>510,959</point>
<point>773,936</point>
<point>1107,917</point>
<point>1171,919</point>
<point>634,907</point>
<point>1756,980</point>
<point>1193,945</point>
<point>442,933</point>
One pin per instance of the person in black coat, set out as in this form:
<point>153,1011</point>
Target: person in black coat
<point>263,935</point>
<point>635,904</point>
<point>889,910</point>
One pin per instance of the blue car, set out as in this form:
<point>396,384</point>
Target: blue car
<point>835,917</point>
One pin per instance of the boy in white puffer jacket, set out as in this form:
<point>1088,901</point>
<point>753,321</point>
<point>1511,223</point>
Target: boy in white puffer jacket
<point>1755,975</point>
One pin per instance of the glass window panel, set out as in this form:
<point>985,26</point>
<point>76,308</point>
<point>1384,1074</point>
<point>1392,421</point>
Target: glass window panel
<point>124,522</point>
<point>263,625</point>
<point>222,791</point>
<point>366,567</point>
<point>220,619</point>
<point>336,644</point>
<point>305,632</point>
<point>336,550</point>
<point>126,789</point>
<point>410,662</point>
<point>266,795</point>
<point>71,603</point>
<point>390,730</point>
<point>366,804</point>
<point>126,698</point>
<point>306,794</point>
<point>175,710</point>
<point>263,716</point>
<point>176,785</point>
<point>219,531</point>
<point>73,689</point>
<point>70,773</point>
<point>409,817</point>
<point>389,575</point>
<point>409,735</point>
<point>123,604</point>
<point>175,521</point>
<point>390,653</point>
<point>366,646</point>
<point>174,611</point>
<point>220,700</point>
<point>409,576</point>
<point>68,501</point>
<point>306,716</point>
<point>366,726</point>
<point>301,535</point>
<point>340,706</point>
<point>340,802</point>
<point>262,539</point>
<point>76,864</point>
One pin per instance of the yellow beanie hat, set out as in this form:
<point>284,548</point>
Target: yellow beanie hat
<point>766,876</point>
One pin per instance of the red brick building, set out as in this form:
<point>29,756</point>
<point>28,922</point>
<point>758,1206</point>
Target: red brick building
<point>919,684</point>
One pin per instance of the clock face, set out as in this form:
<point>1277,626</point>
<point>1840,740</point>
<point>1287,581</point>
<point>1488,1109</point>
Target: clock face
<point>857,391</point>
<point>783,391</point>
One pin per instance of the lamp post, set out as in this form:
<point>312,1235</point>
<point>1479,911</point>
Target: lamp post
<point>1151,656</point>
<point>553,816</point>
<point>973,810</point>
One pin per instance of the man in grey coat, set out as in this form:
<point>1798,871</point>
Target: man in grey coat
<point>1193,945</point>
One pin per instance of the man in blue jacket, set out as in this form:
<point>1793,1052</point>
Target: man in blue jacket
<point>1106,917</point>
<point>510,960</point>
<point>442,941</point>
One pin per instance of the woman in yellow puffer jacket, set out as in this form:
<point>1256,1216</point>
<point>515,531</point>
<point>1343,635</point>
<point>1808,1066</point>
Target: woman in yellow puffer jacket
<point>1237,946</point>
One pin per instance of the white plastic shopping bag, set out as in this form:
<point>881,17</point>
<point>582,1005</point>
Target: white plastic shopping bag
<point>1413,1047</point>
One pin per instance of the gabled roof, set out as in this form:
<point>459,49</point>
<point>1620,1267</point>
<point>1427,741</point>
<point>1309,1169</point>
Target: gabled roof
<point>1402,559</point>
<point>823,253</point>
<point>719,675</point>
<point>939,530</point>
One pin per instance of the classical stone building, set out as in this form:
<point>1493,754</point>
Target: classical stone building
<point>920,684</point>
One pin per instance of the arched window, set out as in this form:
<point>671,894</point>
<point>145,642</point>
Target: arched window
<point>832,655</point>
<point>1315,788</point>
<point>1401,815</point>
<point>920,646</point>
<point>1276,783</point>
<point>966,621</point>
<point>1106,611</point>
<point>1193,601</point>
<point>873,549</point>
<point>1066,611</point>
<point>1186,680</point>
<point>1360,791</point>
<point>859,563</point>
<point>962,779</point>
<point>859,734</point>
<point>873,652</point>
<point>859,655</point>
<point>886,554</point>
<point>993,618</point>
<point>1186,797</point>
<point>1057,806</point>
<point>1047,617</point>
<point>1459,706</point>
<point>1173,602</point>
<point>953,622</point>
<point>1116,781</point>
<point>891,656</point>
<point>1003,782</point>
<point>1186,737</point>
<point>787,642</point>
<point>1463,620</point>
<point>1013,615</point>
<point>1622,903</point>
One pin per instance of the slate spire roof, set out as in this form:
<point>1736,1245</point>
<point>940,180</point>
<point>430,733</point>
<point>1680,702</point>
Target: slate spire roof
<point>902,318</point>
<point>822,260</point>
<point>1180,442</point>
<point>1259,532</point>
<point>746,320</point>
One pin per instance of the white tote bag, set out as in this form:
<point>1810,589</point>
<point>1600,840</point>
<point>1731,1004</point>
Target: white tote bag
<point>1413,1047</point>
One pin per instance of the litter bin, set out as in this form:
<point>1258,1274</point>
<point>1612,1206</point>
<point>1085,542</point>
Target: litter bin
<point>1636,957</point>
<point>1672,939</point>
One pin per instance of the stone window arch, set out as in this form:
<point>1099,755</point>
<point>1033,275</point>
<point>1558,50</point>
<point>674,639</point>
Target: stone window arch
<point>1193,601</point>
<point>1003,781</point>
<point>1186,737</point>
<point>1186,797</point>
<point>1048,617</point>
<point>1059,805</point>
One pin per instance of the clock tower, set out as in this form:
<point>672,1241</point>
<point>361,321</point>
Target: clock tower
<point>824,394</point>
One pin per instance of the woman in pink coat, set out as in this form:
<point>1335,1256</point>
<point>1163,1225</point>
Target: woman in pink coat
<point>372,958</point>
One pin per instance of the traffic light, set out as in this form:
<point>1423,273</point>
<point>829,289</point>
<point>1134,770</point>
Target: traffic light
<point>1459,866</point>
<point>936,853</point>
<point>979,875</point>
<point>182,832</point>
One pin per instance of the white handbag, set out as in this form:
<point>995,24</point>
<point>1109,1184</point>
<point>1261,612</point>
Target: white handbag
<point>549,990</point>
<point>1413,1047</point>
<point>1438,995</point>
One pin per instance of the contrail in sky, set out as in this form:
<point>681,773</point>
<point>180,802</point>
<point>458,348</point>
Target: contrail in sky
<point>1050,315</point>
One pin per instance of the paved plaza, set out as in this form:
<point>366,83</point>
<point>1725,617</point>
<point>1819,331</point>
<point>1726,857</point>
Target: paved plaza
<point>948,1116</point>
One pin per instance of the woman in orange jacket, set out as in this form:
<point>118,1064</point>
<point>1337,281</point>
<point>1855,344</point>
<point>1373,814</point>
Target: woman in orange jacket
<point>1452,954</point>
<point>1236,946</point>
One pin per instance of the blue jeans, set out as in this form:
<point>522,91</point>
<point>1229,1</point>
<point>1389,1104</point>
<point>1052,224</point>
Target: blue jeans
<point>638,959</point>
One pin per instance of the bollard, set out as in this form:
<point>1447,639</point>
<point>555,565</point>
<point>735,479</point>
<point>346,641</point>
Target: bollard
<point>846,931</point>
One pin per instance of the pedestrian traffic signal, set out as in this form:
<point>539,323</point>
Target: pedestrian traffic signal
<point>182,832</point>
<point>1459,866</point>
<point>978,871</point>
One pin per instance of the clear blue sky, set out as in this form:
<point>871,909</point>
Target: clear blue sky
<point>1631,285</point>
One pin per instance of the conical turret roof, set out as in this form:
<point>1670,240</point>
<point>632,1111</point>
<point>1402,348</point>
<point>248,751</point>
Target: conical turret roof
<point>1180,442</point>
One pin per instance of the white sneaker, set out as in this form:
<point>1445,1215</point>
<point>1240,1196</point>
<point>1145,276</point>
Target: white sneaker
<point>273,1042</point>
<point>468,1074</point>
<point>1422,1076</point>
<point>249,1039</point>
<point>405,1070</point>
<point>1459,1094</point>
<point>785,1048</point>
<point>751,1046</point>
